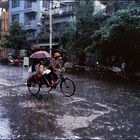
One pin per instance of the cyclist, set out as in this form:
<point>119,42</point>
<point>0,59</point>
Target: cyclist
<point>56,65</point>
<point>56,62</point>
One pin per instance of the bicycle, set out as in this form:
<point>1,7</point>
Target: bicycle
<point>67,86</point>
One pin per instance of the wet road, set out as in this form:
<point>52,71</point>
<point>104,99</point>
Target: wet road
<point>99,109</point>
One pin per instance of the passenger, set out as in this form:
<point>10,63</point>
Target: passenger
<point>36,70</point>
<point>48,75</point>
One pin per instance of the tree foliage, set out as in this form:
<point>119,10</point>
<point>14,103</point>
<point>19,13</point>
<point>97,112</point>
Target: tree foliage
<point>77,34</point>
<point>68,35</point>
<point>17,36</point>
<point>115,33</point>
<point>121,33</point>
<point>116,5</point>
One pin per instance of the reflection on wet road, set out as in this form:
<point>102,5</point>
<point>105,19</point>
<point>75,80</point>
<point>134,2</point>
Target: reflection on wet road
<point>5,131</point>
<point>99,109</point>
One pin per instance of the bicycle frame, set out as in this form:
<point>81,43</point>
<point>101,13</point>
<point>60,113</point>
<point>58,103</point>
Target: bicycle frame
<point>60,78</point>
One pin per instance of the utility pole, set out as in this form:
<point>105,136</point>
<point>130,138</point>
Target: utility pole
<point>50,11</point>
<point>50,24</point>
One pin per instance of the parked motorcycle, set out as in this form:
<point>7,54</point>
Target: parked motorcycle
<point>14,62</point>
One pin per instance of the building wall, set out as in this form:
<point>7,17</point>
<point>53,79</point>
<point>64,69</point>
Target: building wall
<point>37,7</point>
<point>26,9</point>
<point>59,21</point>
<point>4,23</point>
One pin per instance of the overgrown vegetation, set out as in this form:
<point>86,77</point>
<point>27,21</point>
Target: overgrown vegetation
<point>116,32</point>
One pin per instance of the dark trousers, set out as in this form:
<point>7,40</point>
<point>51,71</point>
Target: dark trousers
<point>51,76</point>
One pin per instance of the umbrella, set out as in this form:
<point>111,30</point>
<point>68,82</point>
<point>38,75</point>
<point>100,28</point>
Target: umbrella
<point>40,54</point>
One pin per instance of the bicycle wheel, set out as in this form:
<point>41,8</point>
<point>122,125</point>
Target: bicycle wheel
<point>67,87</point>
<point>33,88</point>
<point>46,87</point>
<point>45,84</point>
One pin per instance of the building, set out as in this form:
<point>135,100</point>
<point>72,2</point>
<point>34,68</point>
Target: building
<point>30,12</point>
<point>4,22</point>
<point>4,17</point>
<point>63,13</point>
<point>27,12</point>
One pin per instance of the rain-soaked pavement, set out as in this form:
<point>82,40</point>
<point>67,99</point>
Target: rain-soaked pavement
<point>100,109</point>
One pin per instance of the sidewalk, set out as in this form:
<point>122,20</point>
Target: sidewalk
<point>106,73</point>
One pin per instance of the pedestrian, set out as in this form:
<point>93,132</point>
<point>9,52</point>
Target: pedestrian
<point>123,67</point>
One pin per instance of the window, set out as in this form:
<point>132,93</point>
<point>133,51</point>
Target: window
<point>15,17</point>
<point>45,4</point>
<point>31,35</point>
<point>27,4</point>
<point>28,17</point>
<point>15,3</point>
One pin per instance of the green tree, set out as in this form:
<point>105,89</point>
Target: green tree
<point>115,5</point>
<point>17,36</point>
<point>121,35</point>
<point>68,35</point>
<point>77,36</point>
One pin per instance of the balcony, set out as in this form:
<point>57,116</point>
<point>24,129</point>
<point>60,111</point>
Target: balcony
<point>68,9</point>
<point>64,10</point>
<point>30,25</point>
<point>31,6</point>
<point>63,19</point>
<point>31,35</point>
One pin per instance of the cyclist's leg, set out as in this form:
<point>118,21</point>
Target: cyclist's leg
<point>45,79</point>
<point>54,76</point>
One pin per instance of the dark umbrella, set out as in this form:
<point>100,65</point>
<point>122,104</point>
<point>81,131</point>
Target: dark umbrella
<point>40,54</point>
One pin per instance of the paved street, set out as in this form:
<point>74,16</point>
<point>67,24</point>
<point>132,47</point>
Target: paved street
<point>100,109</point>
